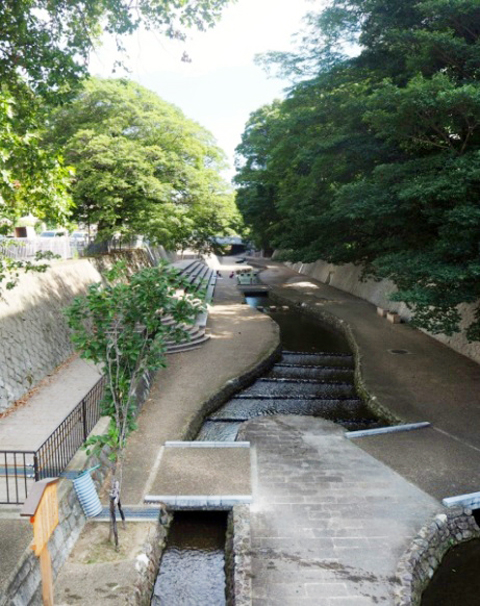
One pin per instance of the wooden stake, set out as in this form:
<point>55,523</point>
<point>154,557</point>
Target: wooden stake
<point>47,576</point>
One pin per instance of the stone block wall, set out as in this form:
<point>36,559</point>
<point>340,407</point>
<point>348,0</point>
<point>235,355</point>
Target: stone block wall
<point>347,278</point>
<point>34,336</point>
<point>238,561</point>
<point>418,565</point>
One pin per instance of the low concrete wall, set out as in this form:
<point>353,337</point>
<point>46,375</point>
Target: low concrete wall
<point>238,561</point>
<point>347,278</point>
<point>418,565</point>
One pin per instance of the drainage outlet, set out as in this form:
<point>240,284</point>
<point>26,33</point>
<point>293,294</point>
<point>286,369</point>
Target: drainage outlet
<point>398,351</point>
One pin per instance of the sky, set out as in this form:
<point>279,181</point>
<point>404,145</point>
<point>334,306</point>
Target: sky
<point>222,85</point>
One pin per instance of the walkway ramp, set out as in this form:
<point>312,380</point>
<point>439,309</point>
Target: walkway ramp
<point>202,475</point>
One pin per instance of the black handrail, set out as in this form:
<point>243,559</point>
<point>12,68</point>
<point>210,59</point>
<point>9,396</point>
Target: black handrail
<point>20,469</point>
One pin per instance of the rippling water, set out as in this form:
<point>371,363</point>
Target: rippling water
<point>192,567</point>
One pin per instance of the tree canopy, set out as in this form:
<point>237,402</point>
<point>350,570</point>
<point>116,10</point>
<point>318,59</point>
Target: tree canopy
<point>45,44</point>
<point>44,51</point>
<point>374,158</point>
<point>141,167</point>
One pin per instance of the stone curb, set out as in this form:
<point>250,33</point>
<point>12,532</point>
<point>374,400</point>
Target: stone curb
<point>238,564</point>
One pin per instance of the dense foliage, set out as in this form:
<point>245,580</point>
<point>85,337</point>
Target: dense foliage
<point>375,158</point>
<point>142,167</point>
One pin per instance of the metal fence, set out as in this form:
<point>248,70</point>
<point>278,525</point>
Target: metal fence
<point>17,474</point>
<point>20,469</point>
<point>59,448</point>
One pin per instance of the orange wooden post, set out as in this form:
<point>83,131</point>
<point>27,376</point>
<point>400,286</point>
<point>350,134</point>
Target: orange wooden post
<point>47,576</point>
<point>42,508</point>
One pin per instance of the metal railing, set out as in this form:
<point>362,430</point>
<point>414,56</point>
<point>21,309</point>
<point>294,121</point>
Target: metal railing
<point>59,448</point>
<point>17,473</point>
<point>19,469</point>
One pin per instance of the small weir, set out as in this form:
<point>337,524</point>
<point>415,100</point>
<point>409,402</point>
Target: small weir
<point>314,377</point>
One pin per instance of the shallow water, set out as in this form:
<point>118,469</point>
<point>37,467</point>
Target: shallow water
<point>305,382</point>
<point>192,567</point>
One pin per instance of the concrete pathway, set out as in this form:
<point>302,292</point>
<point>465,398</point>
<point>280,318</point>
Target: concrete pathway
<point>29,425</point>
<point>328,521</point>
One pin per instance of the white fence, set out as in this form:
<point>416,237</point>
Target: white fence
<point>26,248</point>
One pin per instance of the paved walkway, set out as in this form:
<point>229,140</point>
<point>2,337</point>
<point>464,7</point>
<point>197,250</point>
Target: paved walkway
<point>328,521</point>
<point>30,424</point>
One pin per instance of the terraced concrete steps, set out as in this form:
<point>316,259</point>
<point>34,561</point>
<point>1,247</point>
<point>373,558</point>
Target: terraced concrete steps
<point>200,276</point>
<point>300,388</point>
<point>242,409</point>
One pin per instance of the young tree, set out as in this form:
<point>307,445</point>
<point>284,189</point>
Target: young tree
<point>121,325</point>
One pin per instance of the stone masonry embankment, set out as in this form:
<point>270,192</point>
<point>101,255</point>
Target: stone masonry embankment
<point>347,278</point>
<point>34,336</point>
<point>419,563</point>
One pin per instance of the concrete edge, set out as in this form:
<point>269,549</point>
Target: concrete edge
<point>205,444</point>
<point>365,433</point>
<point>345,328</point>
<point>238,559</point>
<point>198,501</point>
<point>470,501</point>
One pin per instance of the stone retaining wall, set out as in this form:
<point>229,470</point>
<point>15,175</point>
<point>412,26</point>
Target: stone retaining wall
<point>419,563</point>
<point>34,336</point>
<point>347,278</point>
<point>145,566</point>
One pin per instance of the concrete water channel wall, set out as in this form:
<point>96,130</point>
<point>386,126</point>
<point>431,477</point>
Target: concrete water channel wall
<point>347,278</point>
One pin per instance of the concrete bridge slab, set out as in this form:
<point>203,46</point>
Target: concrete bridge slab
<point>202,475</point>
